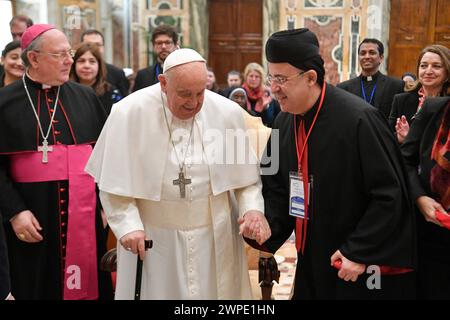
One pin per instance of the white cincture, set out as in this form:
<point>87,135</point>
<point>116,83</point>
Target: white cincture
<point>181,182</point>
<point>45,149</point>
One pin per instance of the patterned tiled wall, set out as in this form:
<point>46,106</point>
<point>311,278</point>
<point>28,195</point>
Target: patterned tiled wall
<point>340,26</point>
<point>156,12</point>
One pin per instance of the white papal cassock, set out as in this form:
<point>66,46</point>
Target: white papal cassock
<point>197,252</point>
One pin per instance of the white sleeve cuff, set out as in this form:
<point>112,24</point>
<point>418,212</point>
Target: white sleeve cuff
<point>122,214</point>
<point>250,198</point>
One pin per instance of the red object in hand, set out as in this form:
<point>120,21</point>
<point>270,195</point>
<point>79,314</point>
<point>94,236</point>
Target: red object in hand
<point>385,270</point>
<point>337,264</point>
<point>443,218</point>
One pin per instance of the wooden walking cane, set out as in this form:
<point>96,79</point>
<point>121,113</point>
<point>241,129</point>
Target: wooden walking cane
<point>268,272</point>
<point>137,288</point>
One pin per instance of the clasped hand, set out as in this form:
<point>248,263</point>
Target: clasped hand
<point>253,225</point>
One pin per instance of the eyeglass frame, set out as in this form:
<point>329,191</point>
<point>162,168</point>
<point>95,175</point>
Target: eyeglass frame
<point>276,79</point>
<point>161,43</point>
<point>61,56</point>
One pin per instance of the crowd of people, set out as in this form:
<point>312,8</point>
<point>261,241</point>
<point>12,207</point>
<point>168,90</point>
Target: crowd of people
<point>359,172</point>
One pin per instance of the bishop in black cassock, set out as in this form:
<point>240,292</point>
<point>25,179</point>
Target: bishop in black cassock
<point>51,217</point>
<point>358,210</point>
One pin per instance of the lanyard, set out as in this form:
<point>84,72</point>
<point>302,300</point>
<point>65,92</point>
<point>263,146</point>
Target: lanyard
<point>301,224</point>
<point>300,153</point>
<point>364,92</point>
<point>158,71</point>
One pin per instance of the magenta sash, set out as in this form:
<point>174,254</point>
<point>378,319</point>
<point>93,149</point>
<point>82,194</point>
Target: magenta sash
<point>67,163</point>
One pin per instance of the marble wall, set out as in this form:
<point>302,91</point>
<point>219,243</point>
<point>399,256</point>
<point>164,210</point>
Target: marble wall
<point>340,25</point>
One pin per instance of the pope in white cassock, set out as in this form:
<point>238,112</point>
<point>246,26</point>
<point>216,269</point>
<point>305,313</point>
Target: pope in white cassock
<point>165,165</point>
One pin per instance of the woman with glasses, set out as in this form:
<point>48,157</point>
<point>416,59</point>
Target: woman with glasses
<point>13,67</point>
<point>89,69</point>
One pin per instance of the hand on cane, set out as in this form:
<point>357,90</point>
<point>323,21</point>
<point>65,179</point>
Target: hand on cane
<point>134,242</point>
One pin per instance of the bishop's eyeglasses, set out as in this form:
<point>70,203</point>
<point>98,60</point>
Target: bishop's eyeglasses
<point>158,43</point>
<point>60,55</point>
<point>280,80</point>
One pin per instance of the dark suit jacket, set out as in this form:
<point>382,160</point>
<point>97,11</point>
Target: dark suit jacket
<point>146,77</point>
<point>416,149</point>
<point>5,285</point>
<point>434,241</point>
<point>116,77</point>
<point>404,104</point>
<point>387,87</point>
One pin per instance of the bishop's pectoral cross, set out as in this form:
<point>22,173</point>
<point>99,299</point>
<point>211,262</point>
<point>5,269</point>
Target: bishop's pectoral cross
<point>182,182</point>
<point>45,149</point>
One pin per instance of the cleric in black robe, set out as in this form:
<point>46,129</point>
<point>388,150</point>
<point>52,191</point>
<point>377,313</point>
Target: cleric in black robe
<point>5,283</point>
<point>359,212</point>
<point>371,85</point>
<point>37,216</point>
<point>429,173</point>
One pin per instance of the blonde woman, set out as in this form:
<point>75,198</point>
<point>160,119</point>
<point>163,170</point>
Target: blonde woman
<point>259,99</point>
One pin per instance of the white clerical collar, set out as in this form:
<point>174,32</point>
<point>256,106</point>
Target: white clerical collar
<point>44,86</point>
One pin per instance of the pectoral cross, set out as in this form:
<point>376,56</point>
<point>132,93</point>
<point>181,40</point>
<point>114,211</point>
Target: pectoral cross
<point>45,149</point>
<point>182,182</point>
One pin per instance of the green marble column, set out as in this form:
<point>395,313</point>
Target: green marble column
<point>198,26</point>
<point>271,21</point>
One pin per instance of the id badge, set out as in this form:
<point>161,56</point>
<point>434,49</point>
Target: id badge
<point>297,195</point>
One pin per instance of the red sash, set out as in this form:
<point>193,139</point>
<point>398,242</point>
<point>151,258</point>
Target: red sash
<point>67,163</point>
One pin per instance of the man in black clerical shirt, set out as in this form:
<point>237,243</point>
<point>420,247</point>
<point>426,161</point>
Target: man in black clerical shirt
<point>51,217</point>
<point>374,87</point>
<point>340,185</point>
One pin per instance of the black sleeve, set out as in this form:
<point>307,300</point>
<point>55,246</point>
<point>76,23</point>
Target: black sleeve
<point>276,195</point>
<point>11,202</point>
<point>341,85</point>
<point>138,81</point>
<point>394,112</point>
<point>388,214</point>
<point>122,83</point>
<point>5,285</point>
<point>411,152</point>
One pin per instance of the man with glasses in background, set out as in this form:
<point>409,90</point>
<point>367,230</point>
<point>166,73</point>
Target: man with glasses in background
<point>340,185</point>
<point>165,41</point>
<point>52,221</point>
<point>114,75</point>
